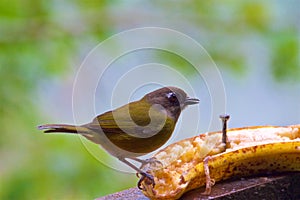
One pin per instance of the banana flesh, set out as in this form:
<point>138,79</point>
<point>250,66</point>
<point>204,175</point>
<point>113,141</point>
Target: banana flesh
<point>201,160</point>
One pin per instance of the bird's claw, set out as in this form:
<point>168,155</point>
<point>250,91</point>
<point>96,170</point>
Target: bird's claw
<point>148,179</point>
<point>153,163</point>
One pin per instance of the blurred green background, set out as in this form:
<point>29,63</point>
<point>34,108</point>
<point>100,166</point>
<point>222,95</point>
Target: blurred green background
<point>42,44</point>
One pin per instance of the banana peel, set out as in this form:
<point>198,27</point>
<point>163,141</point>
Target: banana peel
<point>204,159</point>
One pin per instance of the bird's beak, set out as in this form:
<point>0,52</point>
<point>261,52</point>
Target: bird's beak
<point>191,101</point>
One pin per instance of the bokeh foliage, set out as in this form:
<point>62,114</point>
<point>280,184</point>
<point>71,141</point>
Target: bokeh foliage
<point>40,40</point>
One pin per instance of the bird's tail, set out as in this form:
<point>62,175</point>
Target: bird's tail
<point>63,128</point>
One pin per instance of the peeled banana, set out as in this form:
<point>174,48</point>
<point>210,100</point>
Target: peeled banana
<point>201,160</point>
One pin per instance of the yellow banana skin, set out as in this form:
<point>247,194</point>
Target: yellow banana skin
<point>250,151</point>
<point>260,159</point>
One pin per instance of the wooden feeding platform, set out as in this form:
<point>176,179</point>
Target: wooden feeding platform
<point>281,186</point>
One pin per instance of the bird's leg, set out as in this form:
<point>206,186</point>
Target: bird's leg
<point>145,176</point>
<point>150,161</point>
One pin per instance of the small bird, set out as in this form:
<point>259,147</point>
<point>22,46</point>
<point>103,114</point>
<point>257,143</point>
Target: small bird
<point>134,129</point>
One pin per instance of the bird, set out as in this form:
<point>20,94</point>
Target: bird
<point>134,129</point>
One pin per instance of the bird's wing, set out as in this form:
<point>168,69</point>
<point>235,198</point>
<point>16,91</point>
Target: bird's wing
<point>135,119</point>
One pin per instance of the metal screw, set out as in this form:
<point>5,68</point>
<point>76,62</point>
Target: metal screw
<point>224,119</point>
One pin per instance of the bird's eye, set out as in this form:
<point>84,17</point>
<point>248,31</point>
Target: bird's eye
<point>172,98</point>
<point>171,95</point>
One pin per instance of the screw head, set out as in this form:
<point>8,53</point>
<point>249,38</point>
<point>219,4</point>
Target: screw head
<point>224,117</point>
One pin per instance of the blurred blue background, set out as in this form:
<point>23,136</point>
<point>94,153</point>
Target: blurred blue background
<point>255,45</point>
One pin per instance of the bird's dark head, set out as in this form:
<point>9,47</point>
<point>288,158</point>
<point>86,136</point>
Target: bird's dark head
<point>172,99</point>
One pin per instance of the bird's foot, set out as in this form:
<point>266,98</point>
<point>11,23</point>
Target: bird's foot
<point>149,164</point>
<point>152,162</point>
<point>148,179</point>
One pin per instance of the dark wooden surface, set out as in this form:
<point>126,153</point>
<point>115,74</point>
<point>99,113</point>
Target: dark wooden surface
<point>284,186</point>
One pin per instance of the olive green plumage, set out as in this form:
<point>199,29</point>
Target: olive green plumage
<point>136,128</point>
